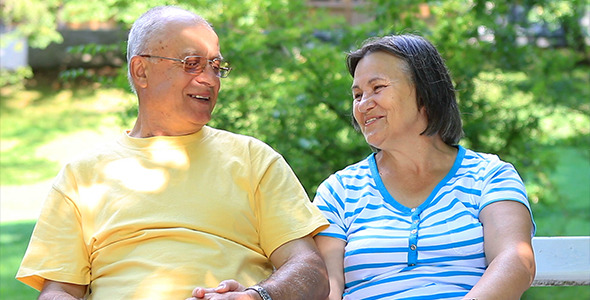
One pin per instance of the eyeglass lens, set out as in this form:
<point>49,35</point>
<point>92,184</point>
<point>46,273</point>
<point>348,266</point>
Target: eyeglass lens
<point>196,64</point>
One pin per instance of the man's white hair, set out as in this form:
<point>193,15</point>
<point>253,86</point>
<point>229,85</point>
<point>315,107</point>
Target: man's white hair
<point>152,26</point>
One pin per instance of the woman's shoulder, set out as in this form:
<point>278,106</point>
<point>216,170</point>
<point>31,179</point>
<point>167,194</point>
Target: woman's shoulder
<point>481,162</point>
<point>361,166</point>
<point>474,157</point>
<point>353,174</point>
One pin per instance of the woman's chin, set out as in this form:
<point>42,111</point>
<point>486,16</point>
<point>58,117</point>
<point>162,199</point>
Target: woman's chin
<point>373,141</point>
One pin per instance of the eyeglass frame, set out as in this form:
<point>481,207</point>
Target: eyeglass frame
<point>209,62</point>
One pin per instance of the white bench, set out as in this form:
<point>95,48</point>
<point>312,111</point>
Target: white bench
<point>562,261</point>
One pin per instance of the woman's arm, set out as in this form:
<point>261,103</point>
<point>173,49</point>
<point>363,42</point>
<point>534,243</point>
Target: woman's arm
<point>507,229</point>
<point>332,250</point>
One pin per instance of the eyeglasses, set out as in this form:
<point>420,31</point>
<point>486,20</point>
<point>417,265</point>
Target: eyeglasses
<point>196,64</point>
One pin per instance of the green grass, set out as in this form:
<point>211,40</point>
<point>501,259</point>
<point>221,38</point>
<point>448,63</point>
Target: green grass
<point>568,212</point>
<point>14,238</point>
<point>567,216</point>
<point>31,120</point>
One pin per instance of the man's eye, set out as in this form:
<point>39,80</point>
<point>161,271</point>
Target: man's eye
<point>192,63</point>
<point>357,97</point>
<point>215,65</point>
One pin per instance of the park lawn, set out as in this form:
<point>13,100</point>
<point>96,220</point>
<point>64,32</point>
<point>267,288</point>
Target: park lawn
<point>14,237</point>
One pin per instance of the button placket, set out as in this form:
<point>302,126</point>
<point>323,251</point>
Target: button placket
<point>413,238</point>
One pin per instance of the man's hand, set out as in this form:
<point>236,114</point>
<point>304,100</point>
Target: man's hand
<point>227,289</point>
<point>300,275</point>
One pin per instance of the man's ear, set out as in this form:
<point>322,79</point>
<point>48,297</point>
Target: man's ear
<point>138,71</point>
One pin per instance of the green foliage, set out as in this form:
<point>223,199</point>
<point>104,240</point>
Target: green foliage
<point>505,86</point>
<point>290,87</point>
<point>34,19</point>
<point>15,78</point>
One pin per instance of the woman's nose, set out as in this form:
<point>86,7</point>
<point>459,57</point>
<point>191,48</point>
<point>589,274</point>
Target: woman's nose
<point>365,104</point>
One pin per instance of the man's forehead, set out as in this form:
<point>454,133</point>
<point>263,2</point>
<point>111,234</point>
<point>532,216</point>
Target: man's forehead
<point>193,39</point>
<point>194,52</point>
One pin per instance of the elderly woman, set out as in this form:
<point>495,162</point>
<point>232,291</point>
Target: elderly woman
<point>422,217</point>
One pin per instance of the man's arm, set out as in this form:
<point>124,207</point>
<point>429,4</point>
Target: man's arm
<point>53,290</point>
<point>300,274</point>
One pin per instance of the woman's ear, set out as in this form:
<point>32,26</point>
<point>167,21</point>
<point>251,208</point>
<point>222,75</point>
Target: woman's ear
<point>138,71</point>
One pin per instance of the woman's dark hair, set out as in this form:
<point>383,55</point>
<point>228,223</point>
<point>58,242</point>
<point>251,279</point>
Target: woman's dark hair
<point>430,76</point>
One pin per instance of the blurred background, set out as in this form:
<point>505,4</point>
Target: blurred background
<point>521,69</point>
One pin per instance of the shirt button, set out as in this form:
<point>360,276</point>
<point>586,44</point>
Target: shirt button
<point>413,247</point>
<point>413,209</point>
<point>411,265</point>
<point>413,231</point>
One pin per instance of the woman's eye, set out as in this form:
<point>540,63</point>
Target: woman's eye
<point>356,97</point>
<point>378,87</point>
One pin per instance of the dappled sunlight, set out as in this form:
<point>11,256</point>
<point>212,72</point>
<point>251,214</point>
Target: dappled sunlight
<point>566,123</point>
<point>7,145</point>
<point>136,176</point>
<point>95,196</point>
<point>63,148</point>
<point>176,159</point>
<point>159,283</point>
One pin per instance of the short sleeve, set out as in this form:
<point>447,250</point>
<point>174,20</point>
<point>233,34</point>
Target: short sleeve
<point>504,183</point>
<point>328,200</point>
<point>285,212</point>
<point>56,250</point>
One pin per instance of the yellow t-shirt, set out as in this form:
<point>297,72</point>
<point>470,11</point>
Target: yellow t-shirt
<point>154,218</point>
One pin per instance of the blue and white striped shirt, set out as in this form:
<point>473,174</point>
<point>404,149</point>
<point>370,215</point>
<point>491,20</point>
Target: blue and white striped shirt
<point>434,251</point>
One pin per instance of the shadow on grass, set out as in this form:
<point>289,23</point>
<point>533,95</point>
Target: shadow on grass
<point>33,118</point>
<point>22,164</point>
<point>45,86</point>
<point>14,238</point>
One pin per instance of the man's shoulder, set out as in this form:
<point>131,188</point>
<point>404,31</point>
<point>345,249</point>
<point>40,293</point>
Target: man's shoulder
<point>236,139</point>
<point>96,153</point>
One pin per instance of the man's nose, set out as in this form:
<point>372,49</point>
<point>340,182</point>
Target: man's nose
<point>207,76</point>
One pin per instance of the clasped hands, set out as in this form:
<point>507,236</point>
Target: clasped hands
<point>227,289</point>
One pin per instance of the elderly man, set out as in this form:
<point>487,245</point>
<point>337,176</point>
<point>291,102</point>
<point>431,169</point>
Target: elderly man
<point>174,208</point>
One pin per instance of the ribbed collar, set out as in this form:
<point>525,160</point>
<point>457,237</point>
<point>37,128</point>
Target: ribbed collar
<point>163,142</point>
